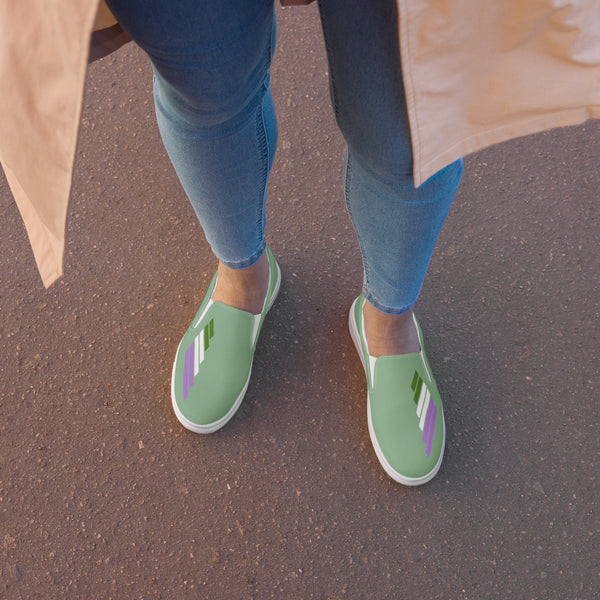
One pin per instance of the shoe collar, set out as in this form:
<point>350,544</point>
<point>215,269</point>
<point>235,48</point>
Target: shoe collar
<point>257,317</point>
<point>373,359</point>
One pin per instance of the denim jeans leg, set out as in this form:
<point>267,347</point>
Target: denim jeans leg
<point>397,224</point>
<point>211,62</point>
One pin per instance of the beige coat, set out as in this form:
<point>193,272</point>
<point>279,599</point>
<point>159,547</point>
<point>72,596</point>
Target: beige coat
<point>476,73</point>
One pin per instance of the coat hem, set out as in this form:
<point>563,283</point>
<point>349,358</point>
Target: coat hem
<point>501,134</point>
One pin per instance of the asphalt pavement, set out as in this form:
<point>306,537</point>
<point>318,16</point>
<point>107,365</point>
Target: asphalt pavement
<point>104,495</point>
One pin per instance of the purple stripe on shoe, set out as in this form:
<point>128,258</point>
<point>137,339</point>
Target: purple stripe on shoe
<point>429,427</point>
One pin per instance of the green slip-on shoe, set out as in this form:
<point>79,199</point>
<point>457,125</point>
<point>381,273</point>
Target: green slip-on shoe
<point>213,363</point>
<point>404,408</point>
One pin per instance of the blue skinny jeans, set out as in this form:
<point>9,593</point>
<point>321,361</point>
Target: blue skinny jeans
<point>211,62</point>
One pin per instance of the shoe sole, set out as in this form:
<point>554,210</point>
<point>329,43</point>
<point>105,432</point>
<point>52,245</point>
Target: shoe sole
<point>216,425</point>
<point>408,481</point>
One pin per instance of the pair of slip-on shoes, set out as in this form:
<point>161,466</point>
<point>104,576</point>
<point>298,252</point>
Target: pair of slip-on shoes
<point>212,370</point>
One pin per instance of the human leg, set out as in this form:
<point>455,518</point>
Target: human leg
<point>216,117</point>
<point>397,226</point>
<point>217,120</point>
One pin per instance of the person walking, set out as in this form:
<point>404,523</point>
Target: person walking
<point>211,63</point>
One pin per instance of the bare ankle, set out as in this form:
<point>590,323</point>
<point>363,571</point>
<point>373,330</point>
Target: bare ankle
<point>389,335</point>
<point>243,288</point>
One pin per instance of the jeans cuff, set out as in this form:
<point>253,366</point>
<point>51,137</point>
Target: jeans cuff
<point>385,309</point>
<point>248,262</point>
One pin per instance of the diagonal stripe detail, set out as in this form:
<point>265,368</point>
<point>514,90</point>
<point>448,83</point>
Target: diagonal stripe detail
<point>414,381</point>
<point>194,356</point>
<point>424,393</point>
<point>418,391</point>
<point>201,346</point>
<point>425,408</point>
<point>430,427</point>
